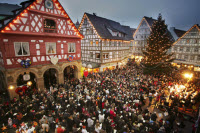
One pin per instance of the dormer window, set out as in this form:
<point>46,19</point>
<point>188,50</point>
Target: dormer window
<point>49,26</point>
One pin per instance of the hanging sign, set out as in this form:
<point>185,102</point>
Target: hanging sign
<point>26,77</point>
<point>54,60</point>
<point>26,63</point>
<point>71,57</point>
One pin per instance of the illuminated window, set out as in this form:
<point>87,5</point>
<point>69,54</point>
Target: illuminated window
<point>97,43</point>
<point>188,40</point>
<point>106,56</point>
<point>91,43</point>
<point>49,26</point>
<point>97,55</point>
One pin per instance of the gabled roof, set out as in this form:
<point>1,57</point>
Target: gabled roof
<point>179,33</point>
<point>102,26</point>
<point>176,33</point>
<point>17,11</point>
<point>196,25</point>
<point>6,9</point>
<point>29,5</point>
<point>148,20</point>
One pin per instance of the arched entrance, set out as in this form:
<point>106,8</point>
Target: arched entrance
<point>70,72</point>
<point>23,79</point>
<point>50,77</point>
<point>3,89</point>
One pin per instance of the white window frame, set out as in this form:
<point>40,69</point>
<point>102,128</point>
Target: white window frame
<point>105,55</point>
<point>96,56</point>
<point>69,45</point>
<point>47,44</point>
<point>15,43</point>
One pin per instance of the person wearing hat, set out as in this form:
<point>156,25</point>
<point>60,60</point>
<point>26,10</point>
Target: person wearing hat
<point>84,130</point>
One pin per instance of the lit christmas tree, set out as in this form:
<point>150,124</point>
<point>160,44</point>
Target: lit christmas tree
<point>156,58</point>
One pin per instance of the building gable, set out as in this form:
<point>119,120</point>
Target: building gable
<point>193,31</point>
<point>32,19</point>
<point>89,23</point>
<point>143,25</point>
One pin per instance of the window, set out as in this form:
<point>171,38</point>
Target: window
<point>81,31</point>
<point>50,48</point>
<point>191,57</point>
<point>187,49</point>
<point>91,55</point>
<point>22,49</point>
<point>188,40</point>
<point>179,56</point>
<point>175,48</point>
<point>196,41</point>
<point>119,44</point>
<point>97,55</point>
<point>71,47</point>
<point>87,31</point>
<point>181,49</point>
<point>113,55</point>
<point>115,43</point>
<point>91,43</point>
<point>106,56</point>
<point>85,21</point>
<point>186,57</point>
<point>196,49</point>
<point>49,26</point>
<point>110,43</point>
<point>198,57</point>
<point>97,43</point>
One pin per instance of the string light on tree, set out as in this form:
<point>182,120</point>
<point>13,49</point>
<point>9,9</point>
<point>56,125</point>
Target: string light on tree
<point>156,59</point>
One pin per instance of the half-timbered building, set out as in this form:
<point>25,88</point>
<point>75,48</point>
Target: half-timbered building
<point>186,49</point>
<point>140,36</point>
<point>106,43</point>
<point>39,43</point>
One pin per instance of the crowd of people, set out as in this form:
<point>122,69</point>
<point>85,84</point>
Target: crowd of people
<point>113,101</point>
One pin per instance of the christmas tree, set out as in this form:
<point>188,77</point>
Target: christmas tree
<point>156,59</point>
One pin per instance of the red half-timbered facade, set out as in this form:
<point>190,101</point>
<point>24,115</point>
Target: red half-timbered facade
<point>42,33</point>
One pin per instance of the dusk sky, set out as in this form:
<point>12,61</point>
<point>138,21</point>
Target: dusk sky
<point>181,14</point>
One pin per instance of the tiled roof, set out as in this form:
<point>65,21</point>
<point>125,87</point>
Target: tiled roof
<point>102,25</point>
<point>24,5</point>
<point>179,33</point>
<point>150,20</point>
<point>6,9</point>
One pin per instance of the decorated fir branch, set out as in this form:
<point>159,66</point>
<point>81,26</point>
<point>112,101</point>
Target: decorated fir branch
<point>156,58</point>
